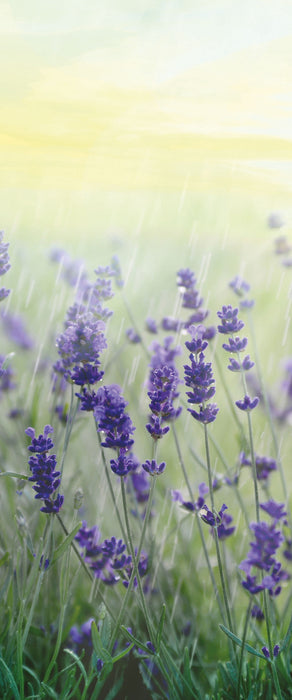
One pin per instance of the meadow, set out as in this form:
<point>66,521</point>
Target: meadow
<point>145,496</point>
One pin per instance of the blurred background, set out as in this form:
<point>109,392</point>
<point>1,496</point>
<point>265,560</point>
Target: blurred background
<point>165,119</point>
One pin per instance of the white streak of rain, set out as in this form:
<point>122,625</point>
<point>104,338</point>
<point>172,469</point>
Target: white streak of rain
<point>134,368</point>
<point>29,293</point>
<point>284,340</point>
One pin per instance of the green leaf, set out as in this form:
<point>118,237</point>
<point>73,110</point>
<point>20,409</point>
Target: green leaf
<point>65,544</point>
<point>122,653</point>
<point>78,662</point>
<point>50,692</point>
<point>287,637</point>
<point>4,559</point>
<point>238,641</point>
<point>99,649</point>
<point>105,633</point>
<point>96,640</point>
<point>10,679</point>
<point>160,627</point>
<point>134,640</point>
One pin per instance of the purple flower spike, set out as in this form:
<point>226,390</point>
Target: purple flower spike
<point>266,652</point>
<point>152,467</point>
<point>247,404</point>
<point>235,366</point>
<point>151,325</point>
<point>257,613</point>
<point>122,465</point>
<point>230,323</point>
<point>207,414</point>
<point>132,336</point>
<point>275,510</point>
<point>235,344</point>
<point>151,647</point>
<point>239,286</point>
<point>42,466</point>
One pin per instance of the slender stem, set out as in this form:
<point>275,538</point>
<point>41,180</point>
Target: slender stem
<point>229,398</point>
<point>225,596</point>
<point>269,414</point>
<point>117,512</point>
<point>69,425</point>
<point>213,581</point>
<point>135,558</point>
<point>242,647</point>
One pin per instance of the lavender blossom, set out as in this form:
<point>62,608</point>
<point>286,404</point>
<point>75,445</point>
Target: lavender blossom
<point>151,325</point>
<point>264,465</point>
<point>111,418</point>
<point>42,466</point>
<point>247,404</point>
<point>261,556</point>
<point>133,336</point>
<point>229,322</point>
<point>152,467</point>
<point>220,521</point>
<point>163,382</point>
<point>15,330</point>
<point>199,377</point>
<point>4,264</point>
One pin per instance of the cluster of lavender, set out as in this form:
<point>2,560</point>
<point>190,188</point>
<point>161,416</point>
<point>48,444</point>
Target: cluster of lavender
<point>163,382</point>
<point>42,465</point>
<point>4,264</point>
<point>199,377</point>
<point>83,339</point>
<point>268,539</point>
<point>108,560</point>
<point>231,325</point>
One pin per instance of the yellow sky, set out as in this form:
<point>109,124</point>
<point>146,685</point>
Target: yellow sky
<point>140,95</point>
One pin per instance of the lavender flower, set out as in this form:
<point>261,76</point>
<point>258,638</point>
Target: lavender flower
<point>229,322</point>
<point>42,465</point>
<point>132,336</point>
<point>152,467</point>
<point>220,521</point>
<point>247,404</point>
<point>106,559</point>
<point>163,382</point>
<point>261,556</point>
<point>151,325</point>
<point>15,330</point>
<point>264,465</point>
<point>80,637</point>
<point>6,376</point>
<point>111,418</point>
<point>199,377</point>
<point>189,505</point>
<point>4,264</point>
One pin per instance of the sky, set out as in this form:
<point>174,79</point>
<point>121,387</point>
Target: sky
<point>130,93</point>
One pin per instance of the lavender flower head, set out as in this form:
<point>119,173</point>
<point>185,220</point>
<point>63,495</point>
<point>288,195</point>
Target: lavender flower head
<point>44,475</point>
<point>4,264</point>
<point>199,377</point>
<point>261,556</point>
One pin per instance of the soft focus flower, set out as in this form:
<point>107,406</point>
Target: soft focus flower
<point>229,322</point>
<point>15,330</point>
<point>133,336</point>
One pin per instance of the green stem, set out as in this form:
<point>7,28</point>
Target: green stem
<point>225,597</point>
<point>69,426</point>
<point>184,471</point>
<point>117,512</point>
<point>242,648</point>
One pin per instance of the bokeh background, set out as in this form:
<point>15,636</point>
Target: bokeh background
<point>165,119</point>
